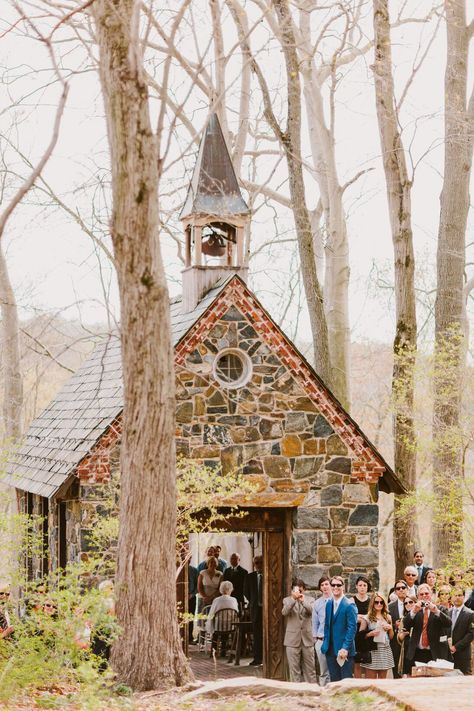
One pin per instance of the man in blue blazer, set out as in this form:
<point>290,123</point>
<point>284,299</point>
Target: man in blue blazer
<point>339,632</point>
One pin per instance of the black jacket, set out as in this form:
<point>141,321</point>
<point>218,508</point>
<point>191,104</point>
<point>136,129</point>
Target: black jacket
<point>251,593</point>
<point>462,635</point>
<point>438,626</point>
<point>237,577</point>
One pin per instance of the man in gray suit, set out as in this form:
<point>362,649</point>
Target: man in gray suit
<point>297,608</point>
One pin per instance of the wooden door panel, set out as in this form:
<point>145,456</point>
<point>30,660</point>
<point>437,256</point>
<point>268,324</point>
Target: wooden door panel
<point>274,581</point>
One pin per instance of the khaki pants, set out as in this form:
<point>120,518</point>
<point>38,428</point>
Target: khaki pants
<point>301,663</point>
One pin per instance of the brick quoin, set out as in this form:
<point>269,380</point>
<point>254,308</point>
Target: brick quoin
<point>95,467</point>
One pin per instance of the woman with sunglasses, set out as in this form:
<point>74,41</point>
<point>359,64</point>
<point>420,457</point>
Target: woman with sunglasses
<point>378,626</point>
<point>443,597</point>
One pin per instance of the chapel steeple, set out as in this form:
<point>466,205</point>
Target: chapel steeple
<point>214,216</point>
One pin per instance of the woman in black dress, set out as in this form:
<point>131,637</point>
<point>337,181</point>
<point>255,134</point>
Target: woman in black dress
<point>363,645</point>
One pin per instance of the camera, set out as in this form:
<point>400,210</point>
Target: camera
<point>423,603</point>
<point>295,589</point>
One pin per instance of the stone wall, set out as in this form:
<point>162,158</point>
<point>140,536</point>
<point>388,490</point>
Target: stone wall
<point>272,431</point>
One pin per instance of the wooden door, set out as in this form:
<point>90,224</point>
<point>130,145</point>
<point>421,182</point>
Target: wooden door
<point>274,554</point>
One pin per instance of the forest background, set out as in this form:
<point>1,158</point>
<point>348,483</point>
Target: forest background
<point>237,58</point>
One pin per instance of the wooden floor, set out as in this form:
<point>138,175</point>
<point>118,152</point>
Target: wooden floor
<point>207,668</point>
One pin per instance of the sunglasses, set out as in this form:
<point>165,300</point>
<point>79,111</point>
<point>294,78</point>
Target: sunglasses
<point>411,575</point>
<point>409,602</point>
<point>403,587</point>
<point>4,594</point>
<point>378,602</point>
<point>336,585</point>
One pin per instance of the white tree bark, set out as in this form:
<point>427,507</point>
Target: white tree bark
<point>404,346</point>
<point>449,306</point>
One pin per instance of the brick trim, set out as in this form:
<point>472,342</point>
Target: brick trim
<point>366,465</point>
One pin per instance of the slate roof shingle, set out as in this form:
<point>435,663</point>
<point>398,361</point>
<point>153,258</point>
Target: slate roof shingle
<point>66,431</point>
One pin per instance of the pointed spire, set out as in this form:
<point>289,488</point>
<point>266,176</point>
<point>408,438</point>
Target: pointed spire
<point>214,189</point>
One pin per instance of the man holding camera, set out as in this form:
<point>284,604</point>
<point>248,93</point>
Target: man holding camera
<point>430,625</point>
<point>298,608</point>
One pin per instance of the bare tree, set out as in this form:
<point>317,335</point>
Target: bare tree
<point>10,331</point>
<point>405,341</point>
<point>450,345</point>
<point>290,141</point>
<point>148,654</point>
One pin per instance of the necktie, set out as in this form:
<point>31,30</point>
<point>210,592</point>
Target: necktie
<point>455,616</point>
<point>425,642</point>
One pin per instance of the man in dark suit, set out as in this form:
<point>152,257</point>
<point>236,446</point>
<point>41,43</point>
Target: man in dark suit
<point>340,626</point>
<point>430,625</point>
<point>397,613</point>
<point>421,568</point>
<point>253,591</point>
<point>237,575</point>
<point>462,632</point>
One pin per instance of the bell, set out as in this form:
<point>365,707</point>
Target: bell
<point>214,246</point>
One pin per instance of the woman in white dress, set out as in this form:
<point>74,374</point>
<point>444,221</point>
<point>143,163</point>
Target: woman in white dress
<point>378,624</point>
<point>209,580</point>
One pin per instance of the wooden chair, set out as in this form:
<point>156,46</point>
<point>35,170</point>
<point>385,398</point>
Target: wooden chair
<point>224,623</point>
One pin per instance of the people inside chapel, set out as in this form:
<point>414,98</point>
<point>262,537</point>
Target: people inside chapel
<point>209,580</point>
<point>253,591</point>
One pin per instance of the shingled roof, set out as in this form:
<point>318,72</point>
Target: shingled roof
<point>89,402</point>
<point>214,189</point>
<point>68,429</point>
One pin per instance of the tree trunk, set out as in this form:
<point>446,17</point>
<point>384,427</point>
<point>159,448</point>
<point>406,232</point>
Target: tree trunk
<point>336,250</point>
<point>148,654</point>
<point>404,344</point>
<point>12,379</point>
<point>449,336</point>
<point>290,140</point>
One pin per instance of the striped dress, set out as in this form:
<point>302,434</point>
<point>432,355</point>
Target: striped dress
<point>382,657</point>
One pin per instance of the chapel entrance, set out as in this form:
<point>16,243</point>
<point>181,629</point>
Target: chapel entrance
<point>255,531</point>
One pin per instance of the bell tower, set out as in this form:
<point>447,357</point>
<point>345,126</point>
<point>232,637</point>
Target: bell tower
<point>214,216</point>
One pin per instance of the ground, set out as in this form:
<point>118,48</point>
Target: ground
<point>254,694</point>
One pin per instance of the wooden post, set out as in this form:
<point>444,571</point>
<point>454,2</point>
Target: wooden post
<point>197,245</point>
<point>188,247</point>
<point>239,233</point>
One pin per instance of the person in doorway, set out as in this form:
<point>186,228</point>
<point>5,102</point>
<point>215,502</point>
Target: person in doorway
<point>225,601</point>
<point>428,623</point>
<point>397,612</point>
<point>222,564</point>
<point>339,632</point>
<point>209,580</point>
<point>210,553</point>
<point>378,626</point>
<point>297,610</point>
<point>253,591</point>
<point>462,632</point>
<point>236,575</point>
<point>318,618</point>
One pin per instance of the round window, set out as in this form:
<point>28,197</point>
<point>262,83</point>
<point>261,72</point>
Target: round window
<point>232,368</point>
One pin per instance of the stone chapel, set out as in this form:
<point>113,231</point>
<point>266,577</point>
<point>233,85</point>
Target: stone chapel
<point>246,400</point>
